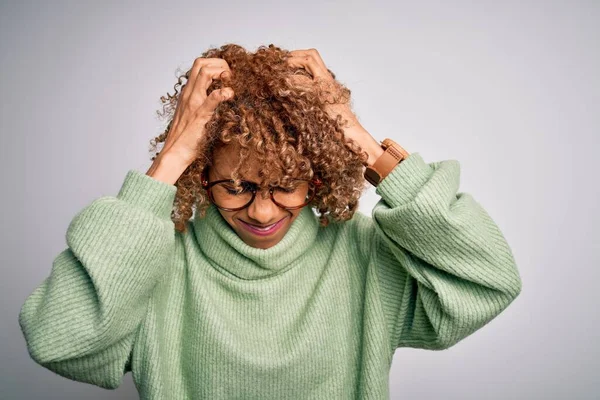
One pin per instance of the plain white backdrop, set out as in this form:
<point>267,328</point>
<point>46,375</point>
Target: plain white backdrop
<point>510,89</point>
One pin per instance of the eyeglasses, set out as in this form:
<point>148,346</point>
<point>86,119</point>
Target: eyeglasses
<point>224,195</point>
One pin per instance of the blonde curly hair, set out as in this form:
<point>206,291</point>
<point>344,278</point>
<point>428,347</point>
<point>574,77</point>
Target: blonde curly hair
<point>284,127</point>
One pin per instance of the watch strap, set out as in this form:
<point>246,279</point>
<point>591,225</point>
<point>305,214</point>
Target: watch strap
<point>392,156</point>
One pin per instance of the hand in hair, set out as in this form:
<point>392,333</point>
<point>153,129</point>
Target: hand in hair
<point>195,108</point>
<point>336,97</point>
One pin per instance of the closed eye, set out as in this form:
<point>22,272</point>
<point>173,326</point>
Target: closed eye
<point>245,187</point>
<point>286,190</point>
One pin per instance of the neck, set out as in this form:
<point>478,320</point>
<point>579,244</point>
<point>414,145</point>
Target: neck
<point>233,256</point>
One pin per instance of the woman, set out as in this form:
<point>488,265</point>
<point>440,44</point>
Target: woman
<point>256,297</point>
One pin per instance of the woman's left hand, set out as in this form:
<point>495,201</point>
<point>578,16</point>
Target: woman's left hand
<point>312,62</point>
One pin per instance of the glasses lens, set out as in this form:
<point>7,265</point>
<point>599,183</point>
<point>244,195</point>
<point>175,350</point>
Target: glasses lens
<point>226,195</point>
<point>298,194</point>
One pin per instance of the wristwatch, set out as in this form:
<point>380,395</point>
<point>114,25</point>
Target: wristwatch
<point>393,155</point>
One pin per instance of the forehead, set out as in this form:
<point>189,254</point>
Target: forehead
<point>225,160</point>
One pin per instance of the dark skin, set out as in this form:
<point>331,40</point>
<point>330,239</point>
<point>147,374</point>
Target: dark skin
<point>311,61</point>
<point>262,211</point>
<point>194,110</point>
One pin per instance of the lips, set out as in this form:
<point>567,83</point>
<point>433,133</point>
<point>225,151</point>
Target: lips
<point>257,230</point>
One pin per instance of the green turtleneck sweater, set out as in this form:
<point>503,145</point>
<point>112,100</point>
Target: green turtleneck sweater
<point>203,315</point>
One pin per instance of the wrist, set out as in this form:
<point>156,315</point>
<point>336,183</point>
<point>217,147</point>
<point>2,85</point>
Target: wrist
<point>392,155</point>
<point>374,150</point>
<point>167,167</point>
<point>367,143</point>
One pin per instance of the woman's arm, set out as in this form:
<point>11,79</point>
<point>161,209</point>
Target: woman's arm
<point>82,320</point>
<point>445,269</point>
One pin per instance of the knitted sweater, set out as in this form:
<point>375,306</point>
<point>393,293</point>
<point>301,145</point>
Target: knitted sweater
<point>203,315</point>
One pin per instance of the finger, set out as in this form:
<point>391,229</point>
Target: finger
<point>301,81</point>
<point>205,78</point>
<point>216,97</point>
<point>191,80</point>
<point>309,60</point>
<point>199,63</point>
<point>316,56</point>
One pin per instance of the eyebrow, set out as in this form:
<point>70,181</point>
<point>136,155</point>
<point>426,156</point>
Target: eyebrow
<point>219,177</point>
<point>242,180</point>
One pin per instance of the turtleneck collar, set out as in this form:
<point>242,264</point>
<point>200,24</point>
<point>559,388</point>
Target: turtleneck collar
<point>220,243</point>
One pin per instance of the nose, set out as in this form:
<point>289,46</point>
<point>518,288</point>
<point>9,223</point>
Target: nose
<point>262,209</point>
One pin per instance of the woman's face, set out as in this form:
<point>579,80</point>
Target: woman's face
<point>262,211</point>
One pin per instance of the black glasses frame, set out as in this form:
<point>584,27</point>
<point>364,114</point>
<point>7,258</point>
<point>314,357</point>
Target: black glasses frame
<point>207,185</point>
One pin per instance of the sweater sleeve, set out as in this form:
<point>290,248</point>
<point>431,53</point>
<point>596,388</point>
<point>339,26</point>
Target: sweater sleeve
<point>81,321</point>
<point>444,268</point>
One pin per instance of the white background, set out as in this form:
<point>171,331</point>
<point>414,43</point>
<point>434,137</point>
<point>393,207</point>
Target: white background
<point>510,89</point>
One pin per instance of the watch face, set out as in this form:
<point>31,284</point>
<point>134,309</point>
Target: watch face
<point>372,176</point>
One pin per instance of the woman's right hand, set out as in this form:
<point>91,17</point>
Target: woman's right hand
<point>195,108</point>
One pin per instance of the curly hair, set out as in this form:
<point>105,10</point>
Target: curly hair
<point>284,127</point>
